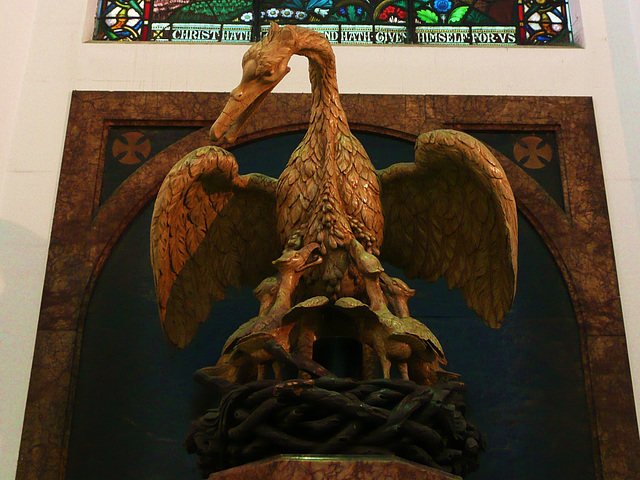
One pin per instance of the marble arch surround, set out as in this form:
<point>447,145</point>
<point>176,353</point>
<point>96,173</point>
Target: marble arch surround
<point>84,232</point>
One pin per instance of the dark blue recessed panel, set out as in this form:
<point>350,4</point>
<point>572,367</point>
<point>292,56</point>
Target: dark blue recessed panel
<point>135,397</point>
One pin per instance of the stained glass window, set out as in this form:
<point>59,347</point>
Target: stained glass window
<point>470,22</point>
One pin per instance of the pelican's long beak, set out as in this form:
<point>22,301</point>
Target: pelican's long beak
<point>244,100</point>
<point>240,106</point>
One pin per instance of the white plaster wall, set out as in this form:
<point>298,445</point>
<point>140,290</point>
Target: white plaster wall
<point>43,64</point>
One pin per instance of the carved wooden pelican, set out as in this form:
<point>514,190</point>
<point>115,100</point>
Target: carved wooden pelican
<point>450,213</point>
<point>329,191</point>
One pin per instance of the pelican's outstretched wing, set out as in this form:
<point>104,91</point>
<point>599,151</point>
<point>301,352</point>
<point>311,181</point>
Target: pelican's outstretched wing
<point>211,228</point>
<point>452,213</point>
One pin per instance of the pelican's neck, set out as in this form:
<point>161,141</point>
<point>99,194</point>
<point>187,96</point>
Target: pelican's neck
<point>327,115</point>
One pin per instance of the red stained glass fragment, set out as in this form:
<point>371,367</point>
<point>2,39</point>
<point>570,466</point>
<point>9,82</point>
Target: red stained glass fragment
<point>502,11</point>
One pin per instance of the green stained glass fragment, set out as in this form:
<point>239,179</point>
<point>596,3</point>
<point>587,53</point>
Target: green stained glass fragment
<point>427,16</point>
<point>211,11</point>
<point>458,14</point>
<point>474,17</point>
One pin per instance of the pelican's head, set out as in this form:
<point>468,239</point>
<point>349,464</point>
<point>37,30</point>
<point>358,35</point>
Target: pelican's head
<point>263,66</point>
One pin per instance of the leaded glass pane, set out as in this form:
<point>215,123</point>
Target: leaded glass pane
<point>545,22</point>
<point>295,11</point>
<point>477,22</point>
<point>470,22</point>
<point>228,21</point>
<point>121,20</point>
<point>343,21</point>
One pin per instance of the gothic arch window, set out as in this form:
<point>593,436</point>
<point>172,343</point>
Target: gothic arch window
<point>457,22</point>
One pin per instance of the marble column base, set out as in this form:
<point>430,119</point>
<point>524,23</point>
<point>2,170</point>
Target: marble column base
<point>301,467</point>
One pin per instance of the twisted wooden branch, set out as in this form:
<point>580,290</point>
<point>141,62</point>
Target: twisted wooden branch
<point>329,415</point>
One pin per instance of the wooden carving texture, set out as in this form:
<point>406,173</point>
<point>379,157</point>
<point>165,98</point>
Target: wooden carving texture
<point>325,224</point>
<point>211,229</point>
<point>452,214</point>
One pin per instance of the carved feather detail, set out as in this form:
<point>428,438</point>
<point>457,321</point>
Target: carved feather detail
<point>211,228</point>
<point>452,213</point>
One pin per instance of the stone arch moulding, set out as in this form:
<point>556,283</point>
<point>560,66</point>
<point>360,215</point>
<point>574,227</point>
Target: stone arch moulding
<point>84,232</point>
